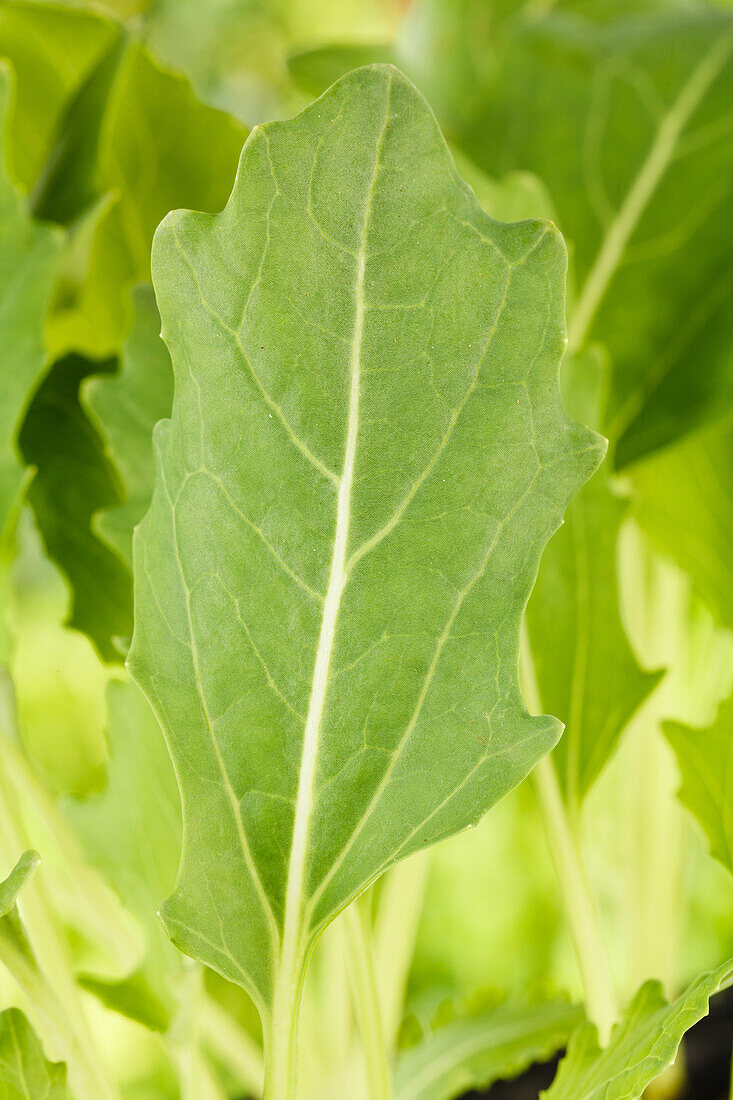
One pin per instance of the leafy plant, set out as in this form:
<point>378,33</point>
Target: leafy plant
<point>346,527</point>
<point>312,581</point>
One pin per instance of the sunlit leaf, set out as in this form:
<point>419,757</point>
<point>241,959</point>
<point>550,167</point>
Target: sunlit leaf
<point>11,886</point>
<point>132,997</point>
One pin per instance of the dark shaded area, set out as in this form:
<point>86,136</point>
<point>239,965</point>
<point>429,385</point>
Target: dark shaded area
<point>73,481</point>
<point>707,1052</point>
<point>526,1087</point>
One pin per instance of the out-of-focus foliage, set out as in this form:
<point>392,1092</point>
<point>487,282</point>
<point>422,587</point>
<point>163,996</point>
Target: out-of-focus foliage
<point>585,667</point>
<point>683,498</point>
<point>28,260</point>
<point>705,761</point>
<point>474,1046</point>
<point>643,1044</point>
<point>124,408</point>
<point>25,1073</point>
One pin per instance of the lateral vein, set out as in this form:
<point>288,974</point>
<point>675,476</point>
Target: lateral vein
<point>269,401</point>
<point>226,779</point>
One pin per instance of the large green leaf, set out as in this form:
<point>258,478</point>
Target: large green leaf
<point>476,1049</point>
<point>705,758</point>
<point>586,671</point>
<point>25,1072</point>
<point>124,408</point>
<point>366,456</point>
<point>642,1045</point>
<point>28,258</point>
<point>683,498</point>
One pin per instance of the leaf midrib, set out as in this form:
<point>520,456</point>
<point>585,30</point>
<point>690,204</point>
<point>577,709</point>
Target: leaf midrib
<point>291,956</point>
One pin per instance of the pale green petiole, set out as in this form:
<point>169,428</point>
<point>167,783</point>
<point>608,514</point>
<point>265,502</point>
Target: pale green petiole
<point>367,1001</point>
<point>577,896</point>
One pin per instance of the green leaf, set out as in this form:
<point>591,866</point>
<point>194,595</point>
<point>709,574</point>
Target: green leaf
<point>73,481</point>
<point>10,887</point>
<point>133,133</point>
<point>473,1051</point>
<point>70,183</point>
<point>586,672</point>
<point>58,681</point>
<point>516,197</point>
<point>124,408</point>
<point>135,841</point>
<point>626,121</point>
<point>368,417</point>
<point>132,997</point>
<point>683,499</point>
<point>28,258</point>
<point>25,1072</point>
<point>90,439</point>
<point>58,1018</point>
<point>316,70</point>
<point>15,950</point>
<point>705,757</point>
<point>642,1044</point>
<point>51,47</point>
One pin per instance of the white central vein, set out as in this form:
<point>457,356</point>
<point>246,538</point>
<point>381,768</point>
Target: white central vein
<point>289,966</point>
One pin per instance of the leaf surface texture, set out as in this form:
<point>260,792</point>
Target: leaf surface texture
<point>367,453</point>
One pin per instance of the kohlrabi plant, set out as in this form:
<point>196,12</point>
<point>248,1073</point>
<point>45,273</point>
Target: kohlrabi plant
<point>417,519</point>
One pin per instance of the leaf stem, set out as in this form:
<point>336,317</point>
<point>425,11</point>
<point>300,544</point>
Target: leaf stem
<point>577,896</point>
<point>401,901</point>
<point>282,1038</point>
<point>367,1001</point>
